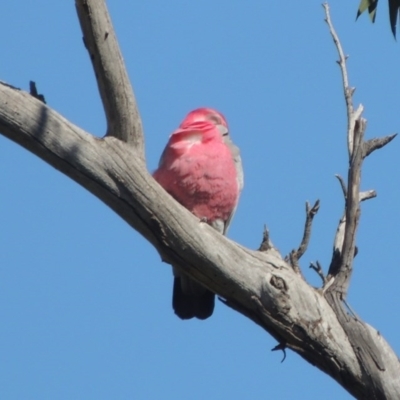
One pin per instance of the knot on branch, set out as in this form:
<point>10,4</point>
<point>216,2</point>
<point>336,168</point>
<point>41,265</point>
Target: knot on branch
<point>278,283</point>
<point>274,297</point>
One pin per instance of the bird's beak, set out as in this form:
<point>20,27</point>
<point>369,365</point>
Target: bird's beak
<point>223,130</point>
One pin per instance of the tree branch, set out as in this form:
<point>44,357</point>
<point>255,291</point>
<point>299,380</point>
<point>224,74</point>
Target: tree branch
<point>116,92</point>
<point>352,209</point>
<point>107,168</point>
<point>345,239</point>
<point>377,143</point>
<point>258,284</point>
<point>318,269</point>
<point>265,243</point>
<point>310,214</point>
<point>342,185</point>
<point>295,255</point>
<point>360,336</point>
<point>348,92</point>
<point>33,92</point>
<point>262,285</point>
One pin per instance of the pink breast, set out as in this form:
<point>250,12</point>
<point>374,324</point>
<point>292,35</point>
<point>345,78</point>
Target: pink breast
<point>202,178</point>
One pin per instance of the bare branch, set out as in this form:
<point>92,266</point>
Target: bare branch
<point>265,244</point>
<point>353,196</point>
<point>377,143</point>
<point>258,284</point>
<point>348,92</point>
<point>33,92</point>
<point>281,346</point>
<point>318,269</point>
<point>339,237</point>
<point>340,270</point>
<point>286,305</point>
<point>369,194</point>
<point>344,247</point>
<point>338,245</point>
<point>342,185</point>
<point>295,255</point>
<point>119,102</point>
<point>310,213</point>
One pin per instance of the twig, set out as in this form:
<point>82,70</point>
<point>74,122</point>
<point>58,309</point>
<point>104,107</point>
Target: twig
<point>342,185</point>
<point>318,269</point>
<point>310,213</point>
<point>377,143</point>
<point>348,92</point>
<point>33,92</point>
<point>295,255</point>
<point>281,346</point>
<point>265,244</point>
<point>369,194</point>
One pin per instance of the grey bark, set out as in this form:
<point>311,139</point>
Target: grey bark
<point>261,285</point>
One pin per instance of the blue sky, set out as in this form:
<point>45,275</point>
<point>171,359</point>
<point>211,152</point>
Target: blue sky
<point>84,300</point>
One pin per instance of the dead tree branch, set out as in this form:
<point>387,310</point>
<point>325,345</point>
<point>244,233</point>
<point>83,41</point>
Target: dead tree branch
<point>295,255</point>
<point>342,185</point>
<point>377,143</point>
<point>123,118</point>
<point>358,149</point>
<point>33,91</point>
<point>362,339</point>
<point>318,269</point>
<point>265,243</point>
<point>310,214</point>
<point>259,284</point>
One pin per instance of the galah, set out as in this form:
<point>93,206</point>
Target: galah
<point>202,169</point>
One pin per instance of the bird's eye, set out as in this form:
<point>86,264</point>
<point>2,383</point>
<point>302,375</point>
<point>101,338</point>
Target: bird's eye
<point>223,130</point>
<point>214,118</point>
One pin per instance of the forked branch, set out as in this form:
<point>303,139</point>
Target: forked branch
<point>358,149</point>
<point>259,284</point>
<point>359,334</point>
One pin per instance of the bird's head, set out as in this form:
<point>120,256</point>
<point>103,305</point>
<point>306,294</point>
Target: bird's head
<point>201,125</point>
<point>204,114</point>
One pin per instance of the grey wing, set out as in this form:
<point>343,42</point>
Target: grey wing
<point>239,175</point>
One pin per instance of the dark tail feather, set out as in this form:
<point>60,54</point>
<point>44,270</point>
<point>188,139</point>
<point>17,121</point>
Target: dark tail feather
<point>188,306</point>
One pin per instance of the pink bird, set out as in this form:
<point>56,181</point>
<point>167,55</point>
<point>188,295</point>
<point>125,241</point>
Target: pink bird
<point>201,168</point>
